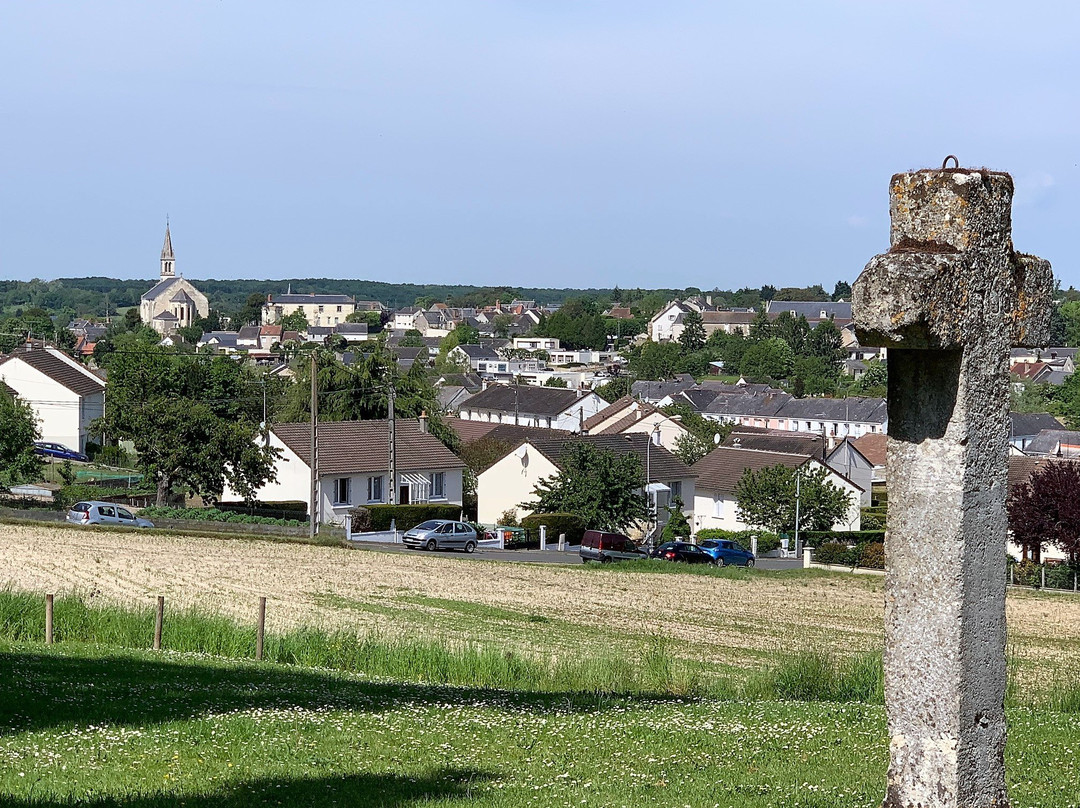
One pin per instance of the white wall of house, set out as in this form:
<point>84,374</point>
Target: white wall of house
<point>63,416</point>
<point>719,509</point>
<point>663,322</point>
<point>536,343</point>
<point>293,483</point>
<point>509,482</point>
<point>315,312</point>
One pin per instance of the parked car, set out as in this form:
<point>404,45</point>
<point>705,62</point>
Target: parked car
<point>683,552</point>
<point>104,513</point>
<point>58,450</point>
<point>599,545</point>
<point>725,551</point>
<point>441,534</point>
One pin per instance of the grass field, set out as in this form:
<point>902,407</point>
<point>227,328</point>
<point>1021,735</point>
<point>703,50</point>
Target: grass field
<point>88,721</point>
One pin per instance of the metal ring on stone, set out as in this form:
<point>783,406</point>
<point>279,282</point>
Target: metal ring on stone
<point>945,162</point>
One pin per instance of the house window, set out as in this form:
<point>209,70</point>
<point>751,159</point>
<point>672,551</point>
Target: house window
<point>342,492</point>
<point>676,489</point>
<point>438,485</point>
<point>375,489</point>
<point>320,309</point>
<point>718,508</point>
<point>339,308</point>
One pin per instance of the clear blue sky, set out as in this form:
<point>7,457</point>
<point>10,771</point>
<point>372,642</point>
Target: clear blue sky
<point>543,143</point>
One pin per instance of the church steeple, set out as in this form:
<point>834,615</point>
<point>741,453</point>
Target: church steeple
<point>168,269</point>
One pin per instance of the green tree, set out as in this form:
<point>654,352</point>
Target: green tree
<point>689,448</point>
<point>297,321</point>
<point>1070,313</point>
<point>766,360</point>
<point>132,318</point>
<point>766,498</point>
<point>1031,397</point>
<point>677,525</point>
<point>412,338</point>
<point>760,327</point>
<point>842,291</point>
<point>18,431</point>
<point>827,343</point>
<point>692,337</point>
<point>875,382</point>
<point>251,313</point>
<point>615,389</point>
<point>795,331</point>
<point>374,319</point>
<point>656,360</point>
<point>601,487</point>
<point>555,381</point>
<point>502,325</point>
<point>815,376</point>
<point>193,419</point>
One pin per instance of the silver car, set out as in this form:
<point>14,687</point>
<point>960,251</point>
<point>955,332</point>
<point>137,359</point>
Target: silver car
<point>92,512</point>
<point>441,534</point>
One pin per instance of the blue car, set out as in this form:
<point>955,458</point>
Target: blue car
<point>58,450</point>
<point>725,551</point>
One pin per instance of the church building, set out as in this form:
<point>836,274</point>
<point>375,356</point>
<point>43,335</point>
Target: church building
<point>173,303</point>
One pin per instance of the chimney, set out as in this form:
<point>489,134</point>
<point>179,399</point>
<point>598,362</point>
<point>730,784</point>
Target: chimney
<point>708,299</point>
<point>423,421</point>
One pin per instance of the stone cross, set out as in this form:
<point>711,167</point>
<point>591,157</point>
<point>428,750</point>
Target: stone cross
<point>948,300</point>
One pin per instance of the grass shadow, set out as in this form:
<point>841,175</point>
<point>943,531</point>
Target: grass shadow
<point>42,689</point>
<point>372,790</point>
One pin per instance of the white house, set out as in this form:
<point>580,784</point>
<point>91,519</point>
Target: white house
<point>318,309</point>
<point>508,483</point>
<point>718,473</point>
<point>65,396</point>
<point>526,405</point>
<point>662,323</point>
<point>354,467</point>
<point>628,415</point>
<point>536,344</point>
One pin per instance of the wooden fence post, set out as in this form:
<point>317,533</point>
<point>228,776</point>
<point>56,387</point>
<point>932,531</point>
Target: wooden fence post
<point>49,619</point>
<point>260,630</point>
<point>158,621</point>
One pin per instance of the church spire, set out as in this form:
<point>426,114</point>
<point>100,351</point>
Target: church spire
<point>167,263</point>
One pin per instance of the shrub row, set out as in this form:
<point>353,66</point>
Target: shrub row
<point>868,554</point>
<point>816,538</point>
<point>273,510</point>
<point>766,542</point>
<point>216,515</point>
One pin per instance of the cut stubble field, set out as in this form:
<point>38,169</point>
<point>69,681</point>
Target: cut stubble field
<point>100,725</point>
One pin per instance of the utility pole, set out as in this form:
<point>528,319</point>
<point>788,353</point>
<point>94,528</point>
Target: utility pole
<point>798,492</point>
<point>314,447</point>
<point>392,494</point>
<point>265,425</point>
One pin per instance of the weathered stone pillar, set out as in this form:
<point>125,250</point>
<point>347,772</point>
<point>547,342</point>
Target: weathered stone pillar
<point>948,300</point>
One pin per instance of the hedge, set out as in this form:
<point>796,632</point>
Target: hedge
<point>216,515</point>
<point>816,538</point>
<point>870,554</point>
<point>406,517</point>
<point>271,510</point>
<point>556,523</point>
<point>68,495</point>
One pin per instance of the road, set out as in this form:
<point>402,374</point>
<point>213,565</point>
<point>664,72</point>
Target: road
<point>546,556</point>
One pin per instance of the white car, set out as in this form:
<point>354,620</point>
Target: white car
<point>93,512</point>
<point>441,534</point>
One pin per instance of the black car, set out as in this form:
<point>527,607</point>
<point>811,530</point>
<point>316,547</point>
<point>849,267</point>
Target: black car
<point>682,551</point>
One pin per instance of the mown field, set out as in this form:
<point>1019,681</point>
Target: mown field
<point>93,720</point>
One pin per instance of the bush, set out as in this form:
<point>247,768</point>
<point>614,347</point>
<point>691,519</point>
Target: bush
<point>871,555</point>
<point>406,517</point>
<point>557,523</point>
<point>113,456</point>
<point>834,552</point>
<point>816,538</point>
<point>873,518</point>
<point>361,519</point>
<point>288,509</point>
<point>215,515</point>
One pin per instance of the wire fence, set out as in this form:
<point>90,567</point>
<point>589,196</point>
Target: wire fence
<point>1052,577</point>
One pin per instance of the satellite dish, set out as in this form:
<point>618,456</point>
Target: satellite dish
<point>716,439</point>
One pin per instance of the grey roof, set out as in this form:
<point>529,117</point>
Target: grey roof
<point>802,443</point>
<point>166,315</point>
<point>452,396</point>
<point>249,332</point>
<point>655,391</point>
<point>181,297</point>
<point>1048,441</point>
<point>763,404</point>
<point>159,289</point>
<point>854,408</point>
<point>478,351</point>
<point>525,399</point>
<point>353,329</point>
<point>1032,423</point>
<point>812,309</point>
<point>663,465</point>
<point>226,339</point>
<point>166,248</point>
<point>308,299</point>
